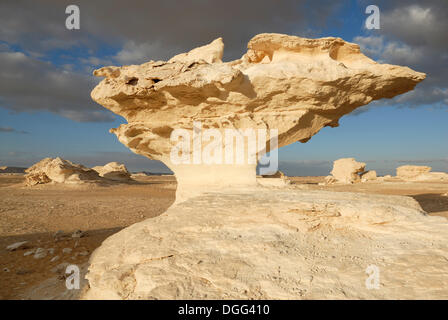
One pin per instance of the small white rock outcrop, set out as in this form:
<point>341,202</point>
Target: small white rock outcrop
<point>58,170</point>
<point>346,170</point>
<point>113,171</point>
<point>368,176</point>
<point>420,173</point>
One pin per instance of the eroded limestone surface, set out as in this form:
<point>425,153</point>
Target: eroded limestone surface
<point>420,173</point>
<point>257,242</point>
<point>113,171</point>
<point>292,84</point>
<point>276,244</point>
<point>347,170</point>
<point>58,170</point>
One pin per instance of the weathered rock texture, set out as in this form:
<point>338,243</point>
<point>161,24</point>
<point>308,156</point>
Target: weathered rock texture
<point>347,170</point>
<point>276,244</point>
<point>292,84</point>
<point>420,173</point>
<point>113,171</point>
<point>58,170</point>
<point>257,243</point>
<point>368,176</point>
<point>410,172</point>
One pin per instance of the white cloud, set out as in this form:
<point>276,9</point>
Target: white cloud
<point>371,46</point>
<point>413,34</point>
<point>133,53</point>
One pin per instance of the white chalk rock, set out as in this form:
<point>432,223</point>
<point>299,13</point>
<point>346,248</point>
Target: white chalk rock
<point>347,170</point>
<point>59,171</point>
<point>286,83</point>
<point>113,171</point>
<point>276,244</point>
<point>368,176</point>
<point>17,245</point>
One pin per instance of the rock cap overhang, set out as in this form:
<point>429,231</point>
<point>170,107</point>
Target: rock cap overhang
<point>292,84</point>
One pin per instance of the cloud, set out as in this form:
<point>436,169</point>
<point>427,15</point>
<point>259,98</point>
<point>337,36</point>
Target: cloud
<point>413,33</point>
<point>46,67</point>
<point>29,84</point>
<point>12,130</point>
<point>371,46</point>
<point>136,53</point>
<point>164,27</point>
<point>417,23</point>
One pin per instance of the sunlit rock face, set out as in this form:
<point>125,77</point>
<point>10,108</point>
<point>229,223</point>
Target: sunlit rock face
<point>260,242</point>
<point>114,171</point>
<point>58,170</point>
<point>347,170</point>
<point>420,173</point>
<point>282,244</point>
<point>294,85</point>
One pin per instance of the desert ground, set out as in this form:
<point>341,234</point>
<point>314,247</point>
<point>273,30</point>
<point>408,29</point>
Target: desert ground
<point>36,214</point>
<point>47,215</point>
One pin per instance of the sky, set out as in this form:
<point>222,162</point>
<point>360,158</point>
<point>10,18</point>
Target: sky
<point>46,75</point>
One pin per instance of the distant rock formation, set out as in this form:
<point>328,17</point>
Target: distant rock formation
<point>409,172</point>
<point>113,171</point>
<point>12,170</point>
<point>277,174</point>
<point>58,170</point>
<point>292,84</point>
<point>420,173</point>
<point>346,170</point>
<point>368,176</point>
<point>138,175</point>
<point>433,176</point>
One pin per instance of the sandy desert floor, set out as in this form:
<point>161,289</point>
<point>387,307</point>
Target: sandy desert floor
<point>35,214</point>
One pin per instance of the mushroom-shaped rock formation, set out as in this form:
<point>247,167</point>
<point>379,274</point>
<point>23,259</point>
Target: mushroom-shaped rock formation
<point>253,244</point>
<point>290,85</point>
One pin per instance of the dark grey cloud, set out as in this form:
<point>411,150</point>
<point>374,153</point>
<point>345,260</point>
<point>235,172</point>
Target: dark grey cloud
<point>138,30</point>
<point>12,130</point>
<point>414,33</point>
<point>164,27</point>
<point>29,84</point>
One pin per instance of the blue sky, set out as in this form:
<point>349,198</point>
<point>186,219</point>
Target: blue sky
<point>59,119</point>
